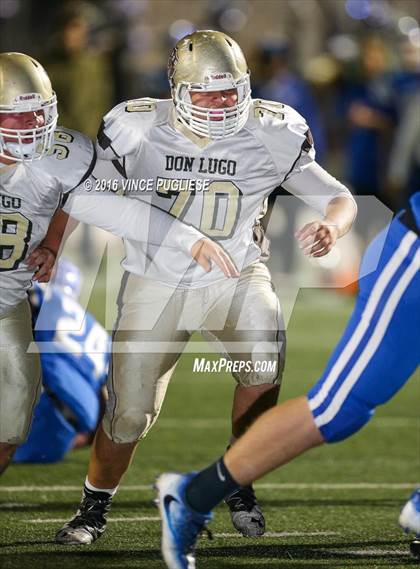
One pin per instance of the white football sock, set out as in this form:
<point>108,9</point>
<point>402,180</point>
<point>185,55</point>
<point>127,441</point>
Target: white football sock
<point>92,488</point>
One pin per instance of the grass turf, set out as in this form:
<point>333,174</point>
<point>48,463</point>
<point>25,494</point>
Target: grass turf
<point>317,525</point>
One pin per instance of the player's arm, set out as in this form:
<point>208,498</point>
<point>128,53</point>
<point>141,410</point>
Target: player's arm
<point>143,222</point>
<point>288,138</point>
<point>341,212</point>
<point>331,199</point>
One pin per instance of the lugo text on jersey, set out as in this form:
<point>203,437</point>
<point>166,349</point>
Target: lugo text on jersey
<point>10,202</point>
<point>204,164</point>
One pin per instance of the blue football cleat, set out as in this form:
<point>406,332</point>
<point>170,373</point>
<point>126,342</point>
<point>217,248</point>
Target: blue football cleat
<point>409,520</point>
<point>180,525</point>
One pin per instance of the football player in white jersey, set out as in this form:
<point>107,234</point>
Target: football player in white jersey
<point>214,155</point>
<point>41,166</point>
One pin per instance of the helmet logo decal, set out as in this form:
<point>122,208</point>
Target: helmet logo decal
<point>28,97</point>
<point>218,76</point>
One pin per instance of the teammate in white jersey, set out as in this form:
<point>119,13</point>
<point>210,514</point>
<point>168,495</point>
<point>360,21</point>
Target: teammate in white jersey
<point>214,155</point>
<point>39,166</point>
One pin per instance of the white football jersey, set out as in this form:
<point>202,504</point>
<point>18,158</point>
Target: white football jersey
<point>30,193</point>
<point>218,186</point>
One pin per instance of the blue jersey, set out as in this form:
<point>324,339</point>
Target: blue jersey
<point>74,351</point>
<point>415,207</point>
<point>71,336</point>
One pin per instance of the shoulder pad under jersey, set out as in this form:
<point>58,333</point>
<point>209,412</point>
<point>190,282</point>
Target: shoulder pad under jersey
<point>285,134</point>
<point>70,160</point>
<point>127,125</point>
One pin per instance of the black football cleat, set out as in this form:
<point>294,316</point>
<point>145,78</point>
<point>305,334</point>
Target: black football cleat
<point>415,547</point>
<point>89,522</point>
<point>246,513</point>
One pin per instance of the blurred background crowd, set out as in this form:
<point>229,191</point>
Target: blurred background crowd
<point>350,67</point>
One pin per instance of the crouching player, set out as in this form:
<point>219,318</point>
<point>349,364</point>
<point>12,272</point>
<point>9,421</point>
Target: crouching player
<point>74,350</point>
<point>378,353</point>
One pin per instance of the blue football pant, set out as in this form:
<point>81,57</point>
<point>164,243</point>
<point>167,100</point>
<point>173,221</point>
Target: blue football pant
<point>380,348</point>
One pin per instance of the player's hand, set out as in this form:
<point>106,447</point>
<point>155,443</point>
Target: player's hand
<point>205,252</point>
<point>317,238</point>
<point>82,440</point>
<point>41,260</point>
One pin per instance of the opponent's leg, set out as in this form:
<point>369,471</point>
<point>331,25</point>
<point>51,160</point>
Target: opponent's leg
<point>20,380</point>
<point>279,434</point>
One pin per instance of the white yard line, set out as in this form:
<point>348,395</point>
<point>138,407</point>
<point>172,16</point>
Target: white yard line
<point>234,535</point>
<point>338,486</point>
<point>371,552</point>
<point>262,486</point>
<point>62,520</point>
<point>11,505</point>
<point>46,488</point>
<point>270,534</point>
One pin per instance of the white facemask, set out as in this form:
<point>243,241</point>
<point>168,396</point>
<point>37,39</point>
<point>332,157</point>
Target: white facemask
<point>201,120</point>
<point>26,145</point>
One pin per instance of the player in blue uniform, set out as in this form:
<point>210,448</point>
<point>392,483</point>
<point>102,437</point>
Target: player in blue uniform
<point>74,358</point>
<point>378,353</point>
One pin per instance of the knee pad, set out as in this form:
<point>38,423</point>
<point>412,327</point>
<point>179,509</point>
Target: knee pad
<point>130,426</point>
<point>266,363</point>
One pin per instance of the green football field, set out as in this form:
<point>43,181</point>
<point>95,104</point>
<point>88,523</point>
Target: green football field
<point>334,507</point>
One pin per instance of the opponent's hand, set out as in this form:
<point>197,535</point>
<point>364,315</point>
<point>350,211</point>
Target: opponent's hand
<point>42,261</point>
<point>205,252</point>
<point>317,238</point>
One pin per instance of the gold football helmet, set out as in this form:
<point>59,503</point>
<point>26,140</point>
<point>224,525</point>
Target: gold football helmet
<point>209,61</point>
<point>25,87</point>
